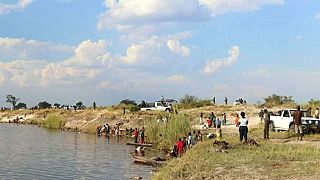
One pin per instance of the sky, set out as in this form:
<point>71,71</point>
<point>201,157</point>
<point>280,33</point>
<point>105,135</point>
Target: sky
<point>66,51</point>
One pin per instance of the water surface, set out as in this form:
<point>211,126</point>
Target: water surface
<point>30,152</point>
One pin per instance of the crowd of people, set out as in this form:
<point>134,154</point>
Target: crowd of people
<point>185,143</point>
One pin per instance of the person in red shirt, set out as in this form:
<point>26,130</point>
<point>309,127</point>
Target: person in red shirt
<point>209,121</point>
<point>135,135</point>
<point>180,146</point>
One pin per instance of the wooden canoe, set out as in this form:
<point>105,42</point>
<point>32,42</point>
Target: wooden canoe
<point>147,161</point>
<point>138,144</point>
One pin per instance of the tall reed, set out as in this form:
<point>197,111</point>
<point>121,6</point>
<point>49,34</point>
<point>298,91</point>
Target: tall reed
<point>165,134</point>
<point>54,121</point>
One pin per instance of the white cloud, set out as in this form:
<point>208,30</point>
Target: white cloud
<point>219,7</point>
<point>124,14</point>
<point>13,48</point>
<point>7,8</point>
<point>157,49</point>
<point>317,16</point>
<point>177,78</point>
<point>104,85</point>
<point>215,65</point>
<point>176,47</point>
<point>143,16</point>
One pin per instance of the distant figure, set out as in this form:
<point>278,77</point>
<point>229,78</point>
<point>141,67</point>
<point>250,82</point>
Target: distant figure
<point>143,104</point>
<point>309,112</point>
<point>298,123</point>
<point>213,119</point>
<point>261,115</point>
<point>224,119</point>
<point>94,106</point>
<point>237,121</point>
<point>218,123</point>
<point>142,136</point>
<point>162,100</point>
<point>124,110</point>
<point>226,101</point>
<point>214,100</point>
<point>201,118</point>
<point>199,136</point>
<point>135,135</point>
<point>243,129</point>
<point>316,113</point>
<point>209,122</point>
<point>266,118</point>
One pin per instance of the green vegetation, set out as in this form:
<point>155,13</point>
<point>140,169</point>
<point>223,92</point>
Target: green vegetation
<point>276,100</point>
<point>54,121</point>
<point>164,135</point>
<point>271,160</point>
<point>188,102</point>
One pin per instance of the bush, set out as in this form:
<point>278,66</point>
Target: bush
<point>194,104</point>
<point>54,122</point>
<point>276,100</point>
<point>164,135</point>
<point>133,108</point>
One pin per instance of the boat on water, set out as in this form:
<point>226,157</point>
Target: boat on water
<point>139,144</point>
<point>155,162</point>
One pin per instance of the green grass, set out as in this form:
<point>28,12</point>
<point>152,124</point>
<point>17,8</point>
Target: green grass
<point>53,121</point>
<point>165,135</point>
<point>268,161</point>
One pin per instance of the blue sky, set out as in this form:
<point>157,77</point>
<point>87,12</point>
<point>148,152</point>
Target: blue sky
<point>67,51</point>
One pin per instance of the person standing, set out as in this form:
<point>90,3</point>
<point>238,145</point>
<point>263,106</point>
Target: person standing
<point>266,119</point>
<point>180,146</point>
<point>316,113</point>
<point>135,135</point>
<point>243,127</point>
<point>298,123</point>
<point>201,118</point>
<point>226,101</point>
<point>237,120</point>
<point>142,136</point>
<point>213,119</point>
<point>94,105</point>
<point>261,113</point>
<point>214,100</point>
<point>224,119</point>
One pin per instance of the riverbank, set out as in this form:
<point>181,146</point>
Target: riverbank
<point>283,156</point>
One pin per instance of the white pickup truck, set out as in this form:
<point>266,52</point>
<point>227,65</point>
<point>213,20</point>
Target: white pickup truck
<point>156,106</point>
<point>284,121</point>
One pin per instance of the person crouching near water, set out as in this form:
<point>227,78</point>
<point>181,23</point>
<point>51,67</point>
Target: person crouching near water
<point>135,135</point>
<point>140,151</point>
<point>243,127</point>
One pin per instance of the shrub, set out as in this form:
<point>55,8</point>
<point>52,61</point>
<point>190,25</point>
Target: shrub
<point>54,122</point>
<point>164,135</point>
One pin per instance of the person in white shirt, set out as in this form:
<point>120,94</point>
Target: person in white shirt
<point>243,127</point>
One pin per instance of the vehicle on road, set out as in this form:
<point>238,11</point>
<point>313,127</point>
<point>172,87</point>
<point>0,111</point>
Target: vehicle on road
<point>284,121</point>
<point>156,106</point>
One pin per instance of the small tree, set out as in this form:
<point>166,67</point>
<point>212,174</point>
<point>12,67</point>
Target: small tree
<point>21,106</point>
<point>57,105</point>
<point>128,102</point>
<point>188,99</point>
<point>44,105</point>
<point>275,100</point>
<point>80,105</point>
<point>13,100</point>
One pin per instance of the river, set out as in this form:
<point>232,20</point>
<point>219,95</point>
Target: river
<point>30,152</point>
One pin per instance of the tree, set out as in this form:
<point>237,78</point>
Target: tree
<point>275,100</point>
<point>128,102</point>
<point>188,99</point>
<point>80,105</point>
<point>56,105</point>
<point>21,106</point>
<point>44,105</point>
<point>13,100</point>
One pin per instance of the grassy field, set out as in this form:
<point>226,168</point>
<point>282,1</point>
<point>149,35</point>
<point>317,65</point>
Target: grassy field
<point>282,157</point>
